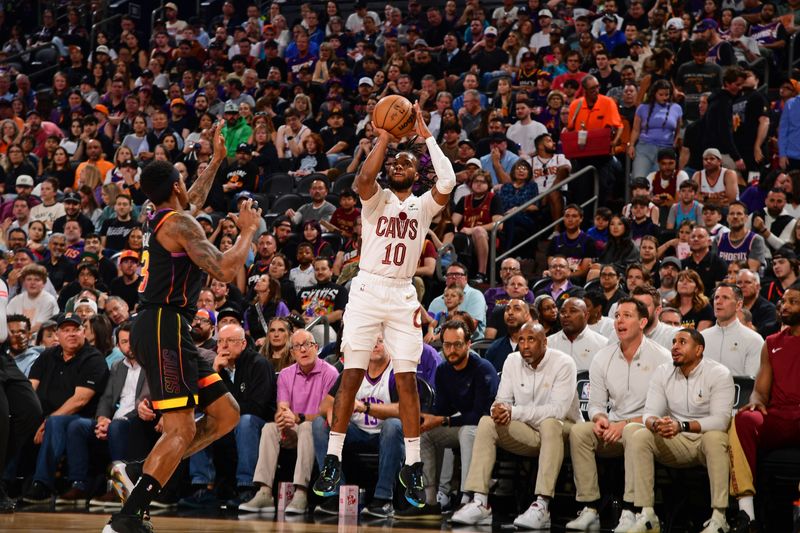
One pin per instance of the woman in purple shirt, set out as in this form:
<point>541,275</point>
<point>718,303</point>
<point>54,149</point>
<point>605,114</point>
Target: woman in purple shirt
<point>657,125</point>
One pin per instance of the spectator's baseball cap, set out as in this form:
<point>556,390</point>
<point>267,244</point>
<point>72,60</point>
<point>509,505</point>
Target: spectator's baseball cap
<point>608,17</point>
<point>31,113</point>
<point>207,314</point>
<point>244,195</point>
<point>366,80</point>
<point>170,5</point>
<point>671,260</point>
<point>272,84</point>
<point>528,56</point>
<point>70,318</point>
<point>177,101</point>
<point>498,137</point>
<point>666,153</point>
<point>637,42</point>
<point>474,161</point>
<point>467,142</point>
<point>712,152</point>
<point>544,75</point>
<point>360,4</point>
<point>490,31</point>
<point>86,301</point>
<point>102,49</point>
<point>146,73</point>
<point>205,217</point>
<point>72,197</point>
<point>100,108</point>
<point>129,163</point>
<point>545,13</point>
<point>244,148</point>
<point>231,107</point>
<point>420,42</point>
<point>87,80</point>
<point>229,312</point>
<point>24,180</point>
<point>675,23</point>
<point>129,254</point>
<point>784,252</point>
<point>524,11</point>
<point>706,24</point>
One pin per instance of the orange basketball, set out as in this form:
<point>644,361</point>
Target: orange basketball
<point>395,114</point>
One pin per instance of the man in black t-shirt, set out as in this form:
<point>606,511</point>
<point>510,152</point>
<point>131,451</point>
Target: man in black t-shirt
<point>126,286</point>
<point>67,379</point>
<point>114,232</point>
<point>242,174</point>
<point>325,298</point>
<point>750,122</point>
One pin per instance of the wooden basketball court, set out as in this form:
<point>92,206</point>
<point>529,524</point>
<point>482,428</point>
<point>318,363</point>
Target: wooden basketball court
<point>57,522</point>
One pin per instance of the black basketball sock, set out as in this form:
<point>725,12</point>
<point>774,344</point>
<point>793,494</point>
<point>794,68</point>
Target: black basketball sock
<point>143,493</point>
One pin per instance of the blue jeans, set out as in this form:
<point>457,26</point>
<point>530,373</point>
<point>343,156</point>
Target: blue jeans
<point>53,447</point>
<point>80,432</point>
<point>248,435</point>
<point>646,160</point>
<point>389,444</point>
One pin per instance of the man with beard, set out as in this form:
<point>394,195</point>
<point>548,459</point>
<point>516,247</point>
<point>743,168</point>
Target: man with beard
<point>684,433</point>
<point>59,269</point>
<point>266,247</point>
<point>498,295</point>
<point>558,273</point>
<point>527,418</point>
<point>126,285</point>
<point>655,330</point>
<point>465,387</point>
<point>667,275</point>
<point>242,174</point>
<point>205,320</point>
<point>771,419</point>
<point>324,298</point>
<point>751,122</point>
<point>618,375</point>
<point>19,335</point>
<point>741,244</point>
<point>515,313</point>
<point>575,338</point>
<point>549,168</point>
<point>775,224</point>
<point>72,208</point>
<point>729,341</point>
<point>392,240</point>
<point>709,266</point>
<point>764,317</point>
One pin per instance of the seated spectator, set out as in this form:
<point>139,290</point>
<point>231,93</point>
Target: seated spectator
<point>323,298</point>
<point>547,310</point>
<point>498,295</point>
<point>345,216</point>
<point>318,209</point>
<point>666,181</point>
<point>517,191</point>
<point>686,207</point>
<point>717,185</point>
<point>729,342</point>
<point>34,302</point>
<point>275,346</point>
<point>126,286</point>
<point>595,301</point>
<point>374,427</point>
<point>475,215</point>
<point>67,380</point>
<point>702,260</point>
<point>19,337</point>
<point>516,288</point>
<point>117,310</point>
<point>474,303</point>
<point>266,304</point>
<point>251,380</point>
<point>301,389</point>
<point>524,424</point>
<point>575,338</point>
<point>765,317</point>
<point>312,234</point>
<point>741,244</point>
<point>303,274</point>
<point>453,298</point>
<point>774,224</point>
<point>574,244</point>
<point>691,302</point>
<point>465,387</point>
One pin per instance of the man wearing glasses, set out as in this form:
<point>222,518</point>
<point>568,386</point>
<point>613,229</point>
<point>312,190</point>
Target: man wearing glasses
<point>498,295</point>
<point>473,303</point>
<point>301,388</point>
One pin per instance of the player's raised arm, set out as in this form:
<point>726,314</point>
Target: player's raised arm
<point>445,175</point>
<point>199,189</point>
<point>366,177</point>
<point>188,233</point>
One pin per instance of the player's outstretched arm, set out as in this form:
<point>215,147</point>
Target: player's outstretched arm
<point>202,185</point>
<point>365,180</point>
<point>445,175</point>
<point>188,233</point>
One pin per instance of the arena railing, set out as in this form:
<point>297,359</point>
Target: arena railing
<point>321,319</point>
<point>100,23</point>
<point>494,259</point>
<point>792,60</point>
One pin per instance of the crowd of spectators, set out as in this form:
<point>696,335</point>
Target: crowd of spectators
<point>670,94</point>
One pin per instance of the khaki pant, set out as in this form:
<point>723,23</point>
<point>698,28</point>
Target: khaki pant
<point>584,445</point>
<point>269,447</point>
<point>685,449</point>
<point>433,444</point>
<point>547,443</point>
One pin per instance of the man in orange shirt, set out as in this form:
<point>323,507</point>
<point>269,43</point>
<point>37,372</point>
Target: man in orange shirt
<point>595,111</point>
<point>94,151</point>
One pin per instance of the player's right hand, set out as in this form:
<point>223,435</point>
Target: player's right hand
<point>248,218</point>
<point>384,135</point>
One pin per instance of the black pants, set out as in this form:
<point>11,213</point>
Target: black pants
<point>20,411</point>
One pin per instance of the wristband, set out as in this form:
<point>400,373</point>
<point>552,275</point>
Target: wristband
<point>301,417</point>
<point>685,427</point>
<point>367,408</point>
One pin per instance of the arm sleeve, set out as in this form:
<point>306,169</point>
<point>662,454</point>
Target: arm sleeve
<point>721,405</point>
<point>445,176</point>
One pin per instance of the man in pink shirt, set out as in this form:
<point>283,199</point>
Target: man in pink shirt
<point>301,388</point>
<point>40,130</point>
<point>573,64</point>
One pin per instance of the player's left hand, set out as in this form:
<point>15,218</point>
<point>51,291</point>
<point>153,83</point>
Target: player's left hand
<point>220,150</point>
<point>420,128</point>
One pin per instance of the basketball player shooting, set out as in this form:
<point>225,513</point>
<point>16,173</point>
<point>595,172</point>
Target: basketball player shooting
<point>176,251</point>
<point>383,299</point>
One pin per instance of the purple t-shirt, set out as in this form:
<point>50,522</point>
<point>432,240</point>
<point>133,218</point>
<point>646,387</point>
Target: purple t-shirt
<point>304,392</point>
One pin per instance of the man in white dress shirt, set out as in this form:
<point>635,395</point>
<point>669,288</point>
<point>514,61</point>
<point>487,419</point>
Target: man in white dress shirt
<point>729,341</point>
<point>619,375</point>
<point>536,404</point>
<point>681,433</point>
<point>575,337</point>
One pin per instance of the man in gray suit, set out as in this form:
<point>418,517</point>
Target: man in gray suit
<point>116,413</point>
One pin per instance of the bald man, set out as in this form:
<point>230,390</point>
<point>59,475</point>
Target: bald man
<point>535,407</point>
<point>575,337</point>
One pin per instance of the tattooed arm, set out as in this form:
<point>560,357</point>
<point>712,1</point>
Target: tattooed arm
<point>185,233</point>
<point>199,190</point>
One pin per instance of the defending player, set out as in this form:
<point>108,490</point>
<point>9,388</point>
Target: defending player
<point>175,251</point>
<point>383,298</point>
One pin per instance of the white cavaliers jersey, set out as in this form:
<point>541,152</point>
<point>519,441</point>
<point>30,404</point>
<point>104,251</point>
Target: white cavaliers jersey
<point>546,170</point>
<point>373,392</point>
<point>393,233</point>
